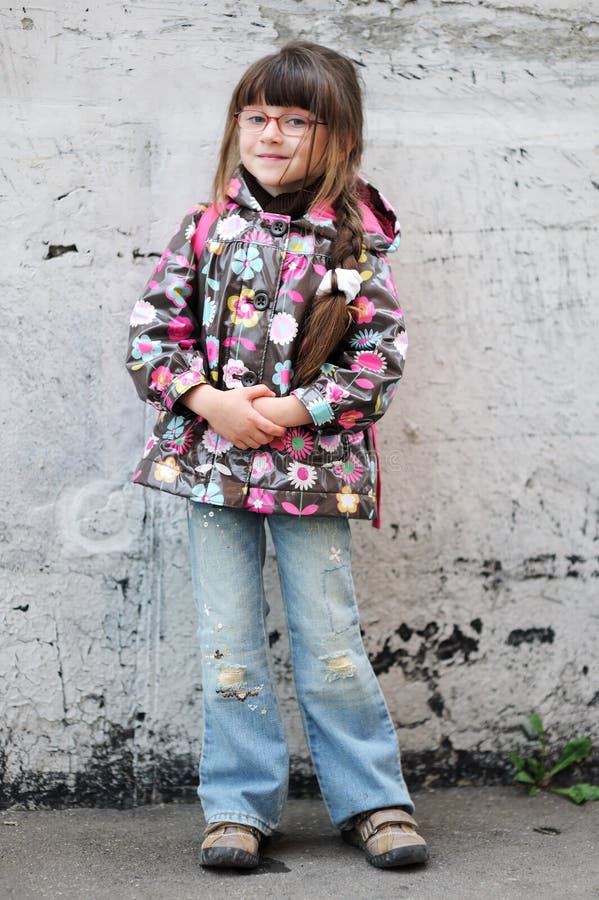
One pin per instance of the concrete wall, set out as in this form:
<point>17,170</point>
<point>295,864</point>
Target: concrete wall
<point>482,128</point>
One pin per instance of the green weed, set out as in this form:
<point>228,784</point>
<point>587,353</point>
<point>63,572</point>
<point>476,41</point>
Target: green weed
<point>533,771</point>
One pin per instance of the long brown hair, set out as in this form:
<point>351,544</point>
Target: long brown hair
<point>325,83</point>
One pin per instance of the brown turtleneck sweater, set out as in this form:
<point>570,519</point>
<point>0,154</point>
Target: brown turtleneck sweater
<point>293,204</point>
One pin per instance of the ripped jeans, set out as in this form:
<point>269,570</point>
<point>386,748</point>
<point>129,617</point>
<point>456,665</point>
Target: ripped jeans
<point>244,764</point>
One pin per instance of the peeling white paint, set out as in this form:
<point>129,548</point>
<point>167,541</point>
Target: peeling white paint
<point>482,130</point>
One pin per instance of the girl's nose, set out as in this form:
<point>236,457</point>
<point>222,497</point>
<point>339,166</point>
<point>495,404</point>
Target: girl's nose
<point>271,132</point>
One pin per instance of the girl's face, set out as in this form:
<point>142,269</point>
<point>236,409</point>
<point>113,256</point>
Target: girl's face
<point>279,161</point>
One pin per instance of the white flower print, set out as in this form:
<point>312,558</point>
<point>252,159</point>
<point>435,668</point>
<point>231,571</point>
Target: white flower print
<point>209,311</point>
<point>401,343</point>
<point>215,443</point>
<point>283,328</point>
<point>231,226</point>
<point>143,313</point>
<point>232,372</point>
<point>302,477</point>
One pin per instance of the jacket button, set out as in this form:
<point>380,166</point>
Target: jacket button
<point>278,227</point>
<point>261,300</point>
<point>249,379</point>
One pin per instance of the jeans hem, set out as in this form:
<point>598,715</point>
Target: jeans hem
<point>242,819</point>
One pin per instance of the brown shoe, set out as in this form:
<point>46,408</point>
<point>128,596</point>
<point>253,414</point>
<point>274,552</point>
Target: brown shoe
<point>388,837</point>
<point>231,844</point>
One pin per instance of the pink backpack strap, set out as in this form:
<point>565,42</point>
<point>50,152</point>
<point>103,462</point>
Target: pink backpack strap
<point>376,522</point>
<point>200,235</point>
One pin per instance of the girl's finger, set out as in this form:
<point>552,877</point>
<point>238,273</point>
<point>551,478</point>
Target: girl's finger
<point>268,427</point>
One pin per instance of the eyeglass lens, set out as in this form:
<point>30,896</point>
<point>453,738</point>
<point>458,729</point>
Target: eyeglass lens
<point>290,123</point>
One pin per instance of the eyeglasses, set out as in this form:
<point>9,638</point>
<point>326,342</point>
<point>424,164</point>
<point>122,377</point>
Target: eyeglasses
<point>290,124</point>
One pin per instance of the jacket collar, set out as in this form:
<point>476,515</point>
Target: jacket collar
<point>381,227</point>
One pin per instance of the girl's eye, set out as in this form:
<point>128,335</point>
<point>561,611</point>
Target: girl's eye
<point>255,118</point>
<point>298,122</point>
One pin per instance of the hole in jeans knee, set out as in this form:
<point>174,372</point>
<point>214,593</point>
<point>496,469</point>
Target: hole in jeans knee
<point>338,665</point>
<point>231,683</point>
<point>231,678</point>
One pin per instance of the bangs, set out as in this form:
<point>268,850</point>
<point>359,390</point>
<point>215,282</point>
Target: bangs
<point>281,81</point>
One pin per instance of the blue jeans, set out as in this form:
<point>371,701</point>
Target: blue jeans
<point>244,766</point>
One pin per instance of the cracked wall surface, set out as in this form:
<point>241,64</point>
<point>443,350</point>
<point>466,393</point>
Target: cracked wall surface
<point>482,604</point>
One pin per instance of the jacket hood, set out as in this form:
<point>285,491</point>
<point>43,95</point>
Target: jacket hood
<point>381,226</point>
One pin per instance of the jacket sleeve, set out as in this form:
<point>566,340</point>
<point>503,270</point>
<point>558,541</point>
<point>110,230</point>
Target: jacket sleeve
<point>356,384</point>
<point>165,355</point>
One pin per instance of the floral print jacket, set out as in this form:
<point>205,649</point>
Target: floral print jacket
<point>232,317</point>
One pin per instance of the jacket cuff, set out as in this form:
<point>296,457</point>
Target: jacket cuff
<point>320,409</point>
<point>181,384</point>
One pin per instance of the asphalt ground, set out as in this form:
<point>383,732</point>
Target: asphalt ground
<point>485,843</point>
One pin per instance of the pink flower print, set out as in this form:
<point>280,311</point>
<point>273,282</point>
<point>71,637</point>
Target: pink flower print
<point>257,236</point>
<point>329,442</point>
<point>262,464</point>
<point>142,313</point>
<point>355,437</point>
<point>233,188</point>
<point>334,393</point>
<point>321,215</point>
<point>145,349</point>
<point>294,510</point>
<point>283,375</point>
<point>243,311</point>
<point>349,418</point>
<point>260,501</point>
<point>349,470</point>
<point>277,443</point>
<point>283,328</point>
<point>212,348</point>
<point>232,372</point>
<point>292,294</point>
<point>161,378</point>
<point>299,443</point>
<point>178,435</point>
<point>196,363</point>
<point>300,243</point>
<point>161,262</point>
<point>371,360</point>
<point>150,443</point>
<point>186,380</point>
<point>302,477</point>
<point>215,443</point>
<point>390,285</point>
<point>401,344</point>
<point>294,267</point>
<point>231,226</point>
<point>364,310</point>
<point>179,330</point>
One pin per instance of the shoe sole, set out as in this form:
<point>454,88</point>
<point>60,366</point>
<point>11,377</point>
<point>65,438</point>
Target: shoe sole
<point>228,857</point>
<point>401,856</point>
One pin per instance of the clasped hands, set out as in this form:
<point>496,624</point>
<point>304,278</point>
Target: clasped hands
<point>248,417</point>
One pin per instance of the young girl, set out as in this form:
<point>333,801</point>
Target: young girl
<point>271,339</point>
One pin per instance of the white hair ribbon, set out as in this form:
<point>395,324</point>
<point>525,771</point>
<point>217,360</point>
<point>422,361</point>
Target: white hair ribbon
<point>348,281</point>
